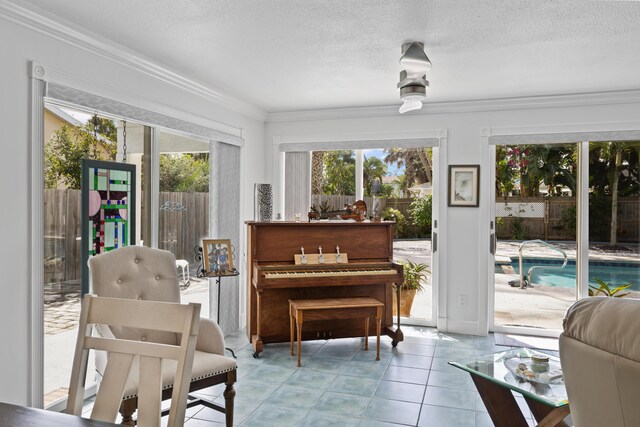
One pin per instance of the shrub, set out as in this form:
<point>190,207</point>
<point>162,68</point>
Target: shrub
<point>421,212</point>
<point>397,216</point>
<point>520,231</point>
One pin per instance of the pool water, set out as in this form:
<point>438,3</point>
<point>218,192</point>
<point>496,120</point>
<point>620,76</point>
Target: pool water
<point>612,272</point>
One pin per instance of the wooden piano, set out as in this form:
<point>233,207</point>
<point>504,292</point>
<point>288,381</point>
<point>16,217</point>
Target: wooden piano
<point>273,278</point>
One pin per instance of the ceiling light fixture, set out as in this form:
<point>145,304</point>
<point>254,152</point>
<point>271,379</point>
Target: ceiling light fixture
<point>413,82</point>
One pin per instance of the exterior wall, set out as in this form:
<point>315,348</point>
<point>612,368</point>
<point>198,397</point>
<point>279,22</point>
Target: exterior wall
<point>26,45</point>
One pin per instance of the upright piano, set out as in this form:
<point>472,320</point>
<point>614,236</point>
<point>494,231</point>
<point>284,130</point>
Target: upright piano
<point>273,277</point>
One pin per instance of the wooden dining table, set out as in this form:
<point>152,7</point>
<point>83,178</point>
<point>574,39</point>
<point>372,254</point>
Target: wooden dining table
<point>21,416</point>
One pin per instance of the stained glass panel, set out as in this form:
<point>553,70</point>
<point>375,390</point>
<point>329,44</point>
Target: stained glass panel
<point>108,209</point>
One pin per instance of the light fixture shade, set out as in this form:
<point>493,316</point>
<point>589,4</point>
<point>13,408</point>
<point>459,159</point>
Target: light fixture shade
<point>410,104</point>
<point>413,83</point>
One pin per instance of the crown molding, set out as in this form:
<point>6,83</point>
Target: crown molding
<point>16,11</point>
<point>549,101</point>
<point>361,136</point>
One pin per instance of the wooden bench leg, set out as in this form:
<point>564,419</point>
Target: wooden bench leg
<point>291,332</point>
<point>366,334</point>
<point>299,325</point>
<point>378,328</point>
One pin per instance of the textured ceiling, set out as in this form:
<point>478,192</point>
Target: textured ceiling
<point>288,55</point>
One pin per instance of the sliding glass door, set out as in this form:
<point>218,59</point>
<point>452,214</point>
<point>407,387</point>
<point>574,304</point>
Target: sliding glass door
<point>543,259</point>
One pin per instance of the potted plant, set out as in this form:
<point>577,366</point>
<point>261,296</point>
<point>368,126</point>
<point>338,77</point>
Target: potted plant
<point>608,290</point>
<point>414,275</point>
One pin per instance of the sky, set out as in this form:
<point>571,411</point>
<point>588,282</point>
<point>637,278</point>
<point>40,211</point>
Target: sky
<point>392,170</point>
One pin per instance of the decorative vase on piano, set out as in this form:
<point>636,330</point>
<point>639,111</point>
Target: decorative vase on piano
<point>263,203</point>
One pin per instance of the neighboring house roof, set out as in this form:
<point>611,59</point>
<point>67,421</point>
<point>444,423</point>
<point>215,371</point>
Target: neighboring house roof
<point>389,179</point>
<point>421,189</point>
<point>62,115</point>
<point>66,117</point>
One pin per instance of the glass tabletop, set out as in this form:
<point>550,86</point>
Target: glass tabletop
<point>532,373</point>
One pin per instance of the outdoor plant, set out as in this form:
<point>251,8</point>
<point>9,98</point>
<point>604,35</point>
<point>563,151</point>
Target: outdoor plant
<point>608,290</point>
<point>397,216</point>
<point>520,231</point>
<point>420,210</point>
<point>414,274</point>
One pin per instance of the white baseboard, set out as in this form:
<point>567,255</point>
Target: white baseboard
<point>463,327</point>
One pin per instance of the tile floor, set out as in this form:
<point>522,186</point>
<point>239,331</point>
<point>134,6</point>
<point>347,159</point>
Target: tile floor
<point>340,384</point>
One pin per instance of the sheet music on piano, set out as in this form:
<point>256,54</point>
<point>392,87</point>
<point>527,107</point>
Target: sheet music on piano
<point>277,252</point>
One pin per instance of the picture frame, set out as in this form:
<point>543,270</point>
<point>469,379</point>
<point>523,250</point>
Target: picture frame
<point>464,186</point>
<point>217,256</point>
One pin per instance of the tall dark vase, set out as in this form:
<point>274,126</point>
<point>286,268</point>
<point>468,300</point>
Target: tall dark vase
<point>263,203</point>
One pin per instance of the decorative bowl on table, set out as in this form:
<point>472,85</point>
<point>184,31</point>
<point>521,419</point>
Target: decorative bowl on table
<point>535,369</point>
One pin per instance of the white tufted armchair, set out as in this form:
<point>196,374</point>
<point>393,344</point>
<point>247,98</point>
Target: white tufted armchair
<point>138,272</point>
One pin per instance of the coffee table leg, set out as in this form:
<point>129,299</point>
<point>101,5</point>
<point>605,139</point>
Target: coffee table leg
<point>501,405</point>
<point>547,416</point>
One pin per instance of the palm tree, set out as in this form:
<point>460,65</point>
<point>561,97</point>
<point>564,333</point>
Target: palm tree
<point>403,185</point>
<point>372,168</point>
<point>417,162</point>
<point>317,161</point>
<point>607,162</point>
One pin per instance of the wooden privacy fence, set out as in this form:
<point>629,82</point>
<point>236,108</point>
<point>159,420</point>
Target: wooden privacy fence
<point>541,216</point>
<point>180,231</point>
<point>338,202</point>
<point>182,224</point>
<point>549,225</point>
<point>184,221</point>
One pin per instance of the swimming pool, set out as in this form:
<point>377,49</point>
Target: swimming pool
<point>613,272</point>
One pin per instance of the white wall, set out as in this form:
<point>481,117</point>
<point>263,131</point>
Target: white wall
<point>19,46</point>
<point>466,250</point>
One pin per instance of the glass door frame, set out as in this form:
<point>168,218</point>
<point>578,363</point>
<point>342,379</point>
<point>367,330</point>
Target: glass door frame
<point>435,139</point>
<point>582,232</point>
<point>150,181</point>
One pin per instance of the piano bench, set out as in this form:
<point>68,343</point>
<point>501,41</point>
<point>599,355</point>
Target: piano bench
<point>335,308</point>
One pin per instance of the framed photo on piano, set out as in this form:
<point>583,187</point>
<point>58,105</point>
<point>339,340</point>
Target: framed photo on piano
<point>217,256</point>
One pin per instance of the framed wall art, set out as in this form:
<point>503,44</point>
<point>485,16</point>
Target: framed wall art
<point>464,185</point>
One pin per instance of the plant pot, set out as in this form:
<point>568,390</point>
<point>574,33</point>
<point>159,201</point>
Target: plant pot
<point>406,301</point>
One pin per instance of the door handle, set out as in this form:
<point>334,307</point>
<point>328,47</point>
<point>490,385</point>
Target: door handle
<point>492,243</point>
<point>434,242</point>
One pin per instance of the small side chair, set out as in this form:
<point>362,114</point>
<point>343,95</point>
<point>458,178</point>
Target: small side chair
<point>149,359</point>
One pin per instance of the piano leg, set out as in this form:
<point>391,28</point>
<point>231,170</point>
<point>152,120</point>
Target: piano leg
<point>396,335</point>
<point>256,340</point>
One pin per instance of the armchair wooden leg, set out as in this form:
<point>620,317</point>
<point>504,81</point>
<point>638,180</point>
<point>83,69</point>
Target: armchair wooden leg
<point>127,408</point>
<point>229,395</point>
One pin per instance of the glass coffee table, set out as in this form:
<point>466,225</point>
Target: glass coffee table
<point>532,373</point>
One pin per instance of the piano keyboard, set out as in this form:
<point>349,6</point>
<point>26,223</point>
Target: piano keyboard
<point>327,273</point>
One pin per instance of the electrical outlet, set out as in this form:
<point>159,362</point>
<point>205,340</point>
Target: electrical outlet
<point>462,300</point>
